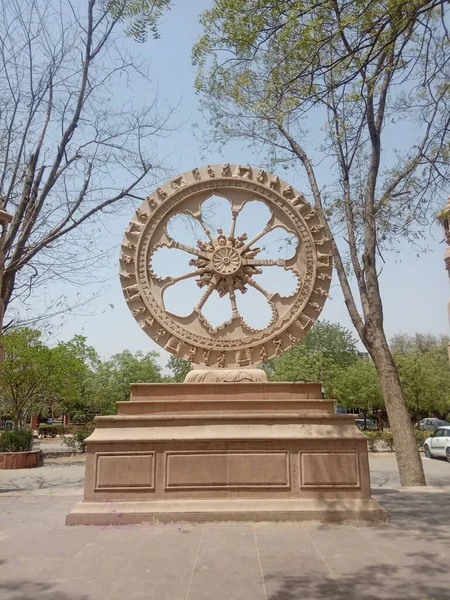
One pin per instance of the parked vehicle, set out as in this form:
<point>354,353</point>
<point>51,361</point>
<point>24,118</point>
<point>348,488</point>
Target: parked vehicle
<point>370,425</point>
<point>438,444</point>
<point>431,424</point>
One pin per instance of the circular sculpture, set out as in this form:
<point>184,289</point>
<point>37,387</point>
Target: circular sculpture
<point>227,264</point>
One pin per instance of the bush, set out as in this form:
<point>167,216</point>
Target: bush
<point>16,441</point>
<point>387,438</point>
<point>51,430</point>
<point>77,441</point>
<point>373,438</point>
<point>421,436</point>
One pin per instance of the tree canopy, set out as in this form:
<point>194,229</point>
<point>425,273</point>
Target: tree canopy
<point>331,87</point>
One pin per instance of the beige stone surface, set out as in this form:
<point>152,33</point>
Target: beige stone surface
<point>260,444</point>
<point>227,264</point>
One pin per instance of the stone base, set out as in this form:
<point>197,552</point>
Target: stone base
<point>211,375</point>
<point>226,451</point>
<point>212,511</point>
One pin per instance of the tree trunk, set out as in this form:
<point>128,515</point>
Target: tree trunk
<point>408,458</point>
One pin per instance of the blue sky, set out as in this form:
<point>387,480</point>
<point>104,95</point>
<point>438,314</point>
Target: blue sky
<point>414,288</point>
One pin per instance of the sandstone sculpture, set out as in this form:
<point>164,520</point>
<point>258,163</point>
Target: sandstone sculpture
<point>226,263</point>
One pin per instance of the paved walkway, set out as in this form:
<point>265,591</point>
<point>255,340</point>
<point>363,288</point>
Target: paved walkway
<point>42,559</point>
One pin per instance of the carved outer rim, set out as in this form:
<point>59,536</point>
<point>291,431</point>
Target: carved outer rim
<point>135,269</point>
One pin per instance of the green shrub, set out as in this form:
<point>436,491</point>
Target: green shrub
<point>51,430</point>
<point>16,441</point>
<point>372,438</point>
<point>421,436</point>
<point>76,441</point>
<point>387,438</point>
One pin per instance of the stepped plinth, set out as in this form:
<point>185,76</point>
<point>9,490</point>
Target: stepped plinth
<point>230,451</point>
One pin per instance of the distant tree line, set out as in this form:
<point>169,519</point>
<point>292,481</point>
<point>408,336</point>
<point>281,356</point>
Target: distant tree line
<point>71,378</point>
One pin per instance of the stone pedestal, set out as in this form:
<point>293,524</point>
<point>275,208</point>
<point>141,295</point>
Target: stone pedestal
<point>227,451</point>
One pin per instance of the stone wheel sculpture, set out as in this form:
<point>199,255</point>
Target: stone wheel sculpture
<point>226,263</point>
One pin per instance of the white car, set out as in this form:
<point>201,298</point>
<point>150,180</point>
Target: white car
<point>438,444</point>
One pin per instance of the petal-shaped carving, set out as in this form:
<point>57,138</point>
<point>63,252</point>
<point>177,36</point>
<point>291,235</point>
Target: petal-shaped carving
<point>253,218</point>
<point>170,262</point>
<point>216,214</point>
<point>181,298</point>
<point>254,308</point>
<point>278,280</point>
<point>185,229</point>
<point>217,310</point>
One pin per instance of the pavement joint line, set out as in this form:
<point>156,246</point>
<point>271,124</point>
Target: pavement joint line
<point>260,564</point>
<point>188,591</point>
<point>325,562</point>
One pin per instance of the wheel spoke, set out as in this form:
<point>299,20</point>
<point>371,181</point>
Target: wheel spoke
<point>187,249</point>
<point>205,229</point>
<point>260,289</point>
<point>235,314</point>
<point>234,215</point>
<point>259,235</point>
<point>173,280</point>
<point>209,290</point>
<point>265,263</point>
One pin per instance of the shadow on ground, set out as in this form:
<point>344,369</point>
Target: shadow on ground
<point>424,512</point>
<point>22,589</point>
<point>388,583</point>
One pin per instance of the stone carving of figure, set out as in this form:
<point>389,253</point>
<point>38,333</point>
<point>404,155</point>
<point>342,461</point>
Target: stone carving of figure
<point>198,262</point>
<point>129,246</point>
<point>141,215</point>
<point>161,193</point>
<point>128,260</point>
<point>320,292</point>
<point>243,357</point>
<point>263,354</point>
<point>251,253</point>
<point>261,176</point>
<point>221,239</point>
<point>191,354</point>
<point>225,170</point>
<point>221,361</point>
<point>240,240</point>
<point>196,174</point>
<point>288,192</point>
<point>275,182</point>
<point>148,322</point>
<point>159,334</point>
<point>278,344</point>
<point>205,246</point>
<point>206,354</point>
<point>210,171</point>
<point>315,306</point>
<point>292,338</point>
<point>204,279</point>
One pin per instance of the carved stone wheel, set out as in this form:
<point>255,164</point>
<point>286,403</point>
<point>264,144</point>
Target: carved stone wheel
<point>226,263</point>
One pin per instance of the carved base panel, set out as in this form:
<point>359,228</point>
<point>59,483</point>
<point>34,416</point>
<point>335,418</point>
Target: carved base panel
<point>207,375</point>
<point>291,460</point>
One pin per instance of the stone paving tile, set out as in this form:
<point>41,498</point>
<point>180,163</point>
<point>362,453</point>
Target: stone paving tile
<point>286,553</point>
<point>227,565</point>
<point>41,559</point>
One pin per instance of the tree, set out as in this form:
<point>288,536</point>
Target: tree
<point>179,367</point>
<point>422,362</point>
<point>33,377</point>
<point>325,349</point>
<point>112,383</point>
<point>358,386</point>
<point>268,71</point>
<point>78,395</point>
<point>73,149</point>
